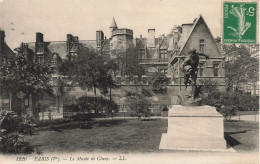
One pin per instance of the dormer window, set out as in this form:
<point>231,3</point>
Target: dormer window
<point>39,58</point>
<point>74,54</point>
<point>54,60</point>
<point>164,71</point>
<point>141,54</point>
<point>163,54</point>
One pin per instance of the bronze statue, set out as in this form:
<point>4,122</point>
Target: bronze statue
<point>190,68</point>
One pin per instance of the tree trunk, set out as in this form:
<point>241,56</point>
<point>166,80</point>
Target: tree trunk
<point>34,109</point>
<point>22,104</point>
<point>110,94</point>
<point>10,101</point>
<point>58,103</point>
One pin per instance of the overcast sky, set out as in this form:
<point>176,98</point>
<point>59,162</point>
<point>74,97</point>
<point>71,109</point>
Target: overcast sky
<point>21,19</point>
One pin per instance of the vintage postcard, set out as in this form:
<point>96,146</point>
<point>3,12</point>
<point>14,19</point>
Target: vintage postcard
<point>129,81</point>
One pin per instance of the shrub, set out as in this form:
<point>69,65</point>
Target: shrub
<point>71,107</point>
<point>87,116</point>
<point>11,138</point>
<point>227,103</point>
<point>41,107</point>
<point>159,83</point>
<point>98,104</point>
<point>139,106</point>
<point>227,111</point>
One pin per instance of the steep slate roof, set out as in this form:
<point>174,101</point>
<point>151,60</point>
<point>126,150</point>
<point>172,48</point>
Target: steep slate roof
<point>31,46</point>
<point>113,24</point>
<point>89,43</point>
<point>187,34</point>
<point>192,29</point>
<point>163,42</point>
<point>141,43</point>
<point>60,47</point>
<point>8,50</point>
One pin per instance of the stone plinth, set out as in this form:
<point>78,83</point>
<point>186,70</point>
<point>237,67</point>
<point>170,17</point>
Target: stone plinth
<point>194,128</point>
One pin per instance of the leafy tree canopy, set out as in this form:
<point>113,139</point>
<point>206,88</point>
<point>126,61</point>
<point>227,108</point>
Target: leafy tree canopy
<point>126,57</point>
<point>159,83</point>
<point>20,73</point>
<point>89,70</point>
<point>240,66</point>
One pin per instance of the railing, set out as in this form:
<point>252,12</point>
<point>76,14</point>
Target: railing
<point>153,60</point>
<point>124,108</point>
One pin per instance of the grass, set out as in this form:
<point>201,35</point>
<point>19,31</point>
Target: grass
<point>243,136</point>
<point>107,136</point>
<point>126,136</point>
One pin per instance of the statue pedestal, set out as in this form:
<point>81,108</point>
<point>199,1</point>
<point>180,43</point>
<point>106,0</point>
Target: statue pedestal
<point>194,128</point>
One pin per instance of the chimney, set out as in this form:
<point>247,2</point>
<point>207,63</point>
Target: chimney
<point>69,40</point>
<point>2,42</point>
<point>75,39</point>
<point>151,38</point>
<point>99,38</point>
<point>39,37</point>
<point>2,51</point>
<point>24,46</point>
<point>176,35</point>
<point>69,37</point>
<point>186,28</point>
<point>39,44</point>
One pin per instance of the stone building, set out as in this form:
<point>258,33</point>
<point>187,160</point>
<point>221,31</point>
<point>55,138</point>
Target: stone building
<point>5,52</point>
<point>162,54</point>
<point>197,35</point>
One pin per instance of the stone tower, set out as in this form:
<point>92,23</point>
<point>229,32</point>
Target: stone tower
<point>121,40</point>
<point>113,26</point>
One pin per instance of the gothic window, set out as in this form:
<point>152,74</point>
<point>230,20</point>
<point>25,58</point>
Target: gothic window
<point>164,71</point>
<point>202,46</point>
<point>54,60</point>
<point>163,54</point>
<point>201,68</point>
<point>40,58</point>
<point>73,54</point>
<point>215,68</point>
<point>144,79</point>
<point>118,79</point>
<point>141,54</point>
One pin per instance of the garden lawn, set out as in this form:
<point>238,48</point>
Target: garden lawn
<point>127,136</point>
<point>243,136</point>
<point>105,136</point>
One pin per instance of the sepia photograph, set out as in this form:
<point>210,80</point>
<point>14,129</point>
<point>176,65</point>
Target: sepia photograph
<point>129,81</point>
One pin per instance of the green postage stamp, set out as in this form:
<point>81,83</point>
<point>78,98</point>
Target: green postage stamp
<point>239,22</point>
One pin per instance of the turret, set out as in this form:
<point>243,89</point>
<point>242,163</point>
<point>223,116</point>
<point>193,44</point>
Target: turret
<point>113,26</point>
